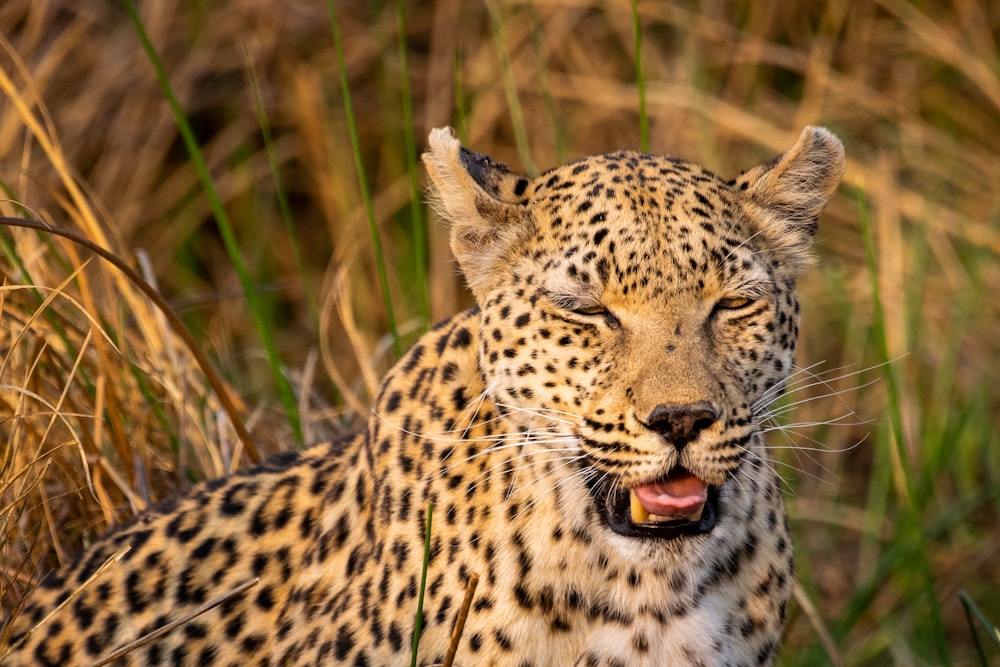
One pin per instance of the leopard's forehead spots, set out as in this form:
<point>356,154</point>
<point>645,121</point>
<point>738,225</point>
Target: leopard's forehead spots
<point>625,223</point>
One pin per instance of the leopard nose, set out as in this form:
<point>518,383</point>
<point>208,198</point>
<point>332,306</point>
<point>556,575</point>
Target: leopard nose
<point>680,423</point>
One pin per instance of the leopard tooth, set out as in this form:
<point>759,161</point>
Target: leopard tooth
<point>639,513</point>
<point>693,515</point>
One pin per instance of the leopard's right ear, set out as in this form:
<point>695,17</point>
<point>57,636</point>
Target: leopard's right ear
<point>785,195</point>
<point>480,199</point>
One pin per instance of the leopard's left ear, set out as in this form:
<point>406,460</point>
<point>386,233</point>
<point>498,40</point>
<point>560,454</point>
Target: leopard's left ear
<point>480,198</point>
<point>785,195</point>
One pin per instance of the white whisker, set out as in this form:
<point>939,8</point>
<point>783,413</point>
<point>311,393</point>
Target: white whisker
<point>835,421</point>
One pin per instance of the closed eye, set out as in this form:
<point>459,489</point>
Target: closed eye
<point>733,303</point>
<point>597,309</point>
<point>585,306</point>
<point>594,309</point>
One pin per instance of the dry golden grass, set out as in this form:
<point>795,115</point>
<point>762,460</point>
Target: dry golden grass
<point>103,409</point>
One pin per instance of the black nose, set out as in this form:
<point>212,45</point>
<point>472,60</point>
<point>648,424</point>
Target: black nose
<point>680,423</point>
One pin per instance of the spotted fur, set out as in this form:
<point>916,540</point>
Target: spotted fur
<point>609,290</point>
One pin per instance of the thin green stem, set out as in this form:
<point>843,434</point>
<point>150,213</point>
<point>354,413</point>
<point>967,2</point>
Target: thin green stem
<point>911,524</point>
<point>214,379</point>
<point>510,89</point>
<point>345,90</point>
<point>640,79</point>
<point>461,108</point>
<point>418,623</point>
<point>416,209</point>
<point>993,632</point>
<point>279,188</point>
<point>558,133</point>
<point>284,387</point>
<point>880,570</point>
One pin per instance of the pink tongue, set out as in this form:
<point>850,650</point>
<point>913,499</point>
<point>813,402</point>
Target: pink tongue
<point>678,493</point>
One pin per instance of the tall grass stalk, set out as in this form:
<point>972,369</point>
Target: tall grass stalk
<point>281,382</point>
<point>419,619</point>
<point>461,108</point>
<point>508,75</point>
<point>417,219</point>
<point>345,91</point>
<point>279,188</point>
<point>205,365</point>
<point>544,87</point>
<point>10,252</point>
<point>911,526</point>
<point>974,614</point>
<point>640,78</point>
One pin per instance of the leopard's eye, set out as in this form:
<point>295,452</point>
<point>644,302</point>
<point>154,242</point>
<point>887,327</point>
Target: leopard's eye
<point>581,305</point>
<point>592,311</point>
<point>733,303</point>
<point>595,309</point>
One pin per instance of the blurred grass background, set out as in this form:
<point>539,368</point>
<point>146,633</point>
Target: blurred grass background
<point>104,410</point>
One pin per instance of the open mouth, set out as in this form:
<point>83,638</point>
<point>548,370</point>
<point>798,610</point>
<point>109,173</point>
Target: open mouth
<point>677,505</point>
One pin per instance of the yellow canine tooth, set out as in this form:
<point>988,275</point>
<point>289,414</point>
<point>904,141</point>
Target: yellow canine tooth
<point>639,513</point>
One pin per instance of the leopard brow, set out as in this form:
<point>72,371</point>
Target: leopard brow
<point>571,296</point>
<point>752,288</point>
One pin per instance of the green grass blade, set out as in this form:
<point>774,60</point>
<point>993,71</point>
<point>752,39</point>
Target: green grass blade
<point>157,406</point>
<point>423,584</point>
<point>205,366</point>
<point>510,89</point>
<point>284,387</point>
<point>9,250</point>
<point>461,106</point>
<point>551,108</point>
<point>640,79</point>
<point>416,209</point>
<point>901,551</point>
<point>911,528</point>
<point>279,189</point>
<point>971,609</point>
<point>352,129</point>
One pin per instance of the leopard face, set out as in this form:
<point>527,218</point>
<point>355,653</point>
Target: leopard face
<point>637,311</point>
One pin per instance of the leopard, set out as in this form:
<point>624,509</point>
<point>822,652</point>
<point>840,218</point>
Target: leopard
<point>573,471</point>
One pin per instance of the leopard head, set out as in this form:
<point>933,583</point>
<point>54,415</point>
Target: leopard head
<point>634,310</point>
